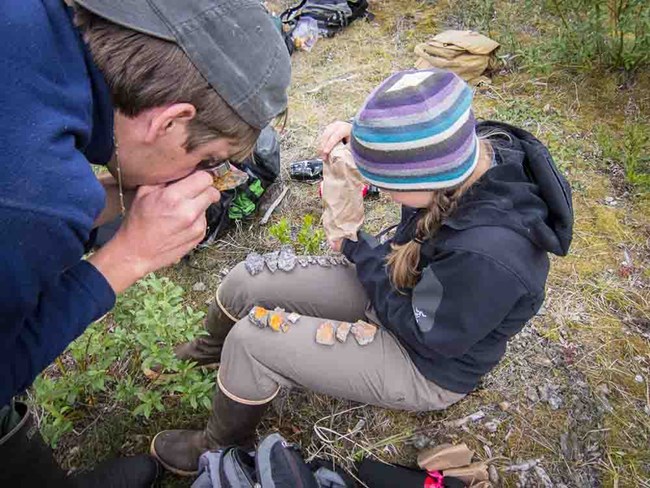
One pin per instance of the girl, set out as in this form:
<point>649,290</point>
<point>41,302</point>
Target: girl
<point>482,205</point>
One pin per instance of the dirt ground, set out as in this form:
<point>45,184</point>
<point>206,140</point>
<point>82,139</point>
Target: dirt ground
<point>573,390</point>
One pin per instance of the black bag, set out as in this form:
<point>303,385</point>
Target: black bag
<point>263,168</point>
<point>275,464</point>
<point>332,16</point>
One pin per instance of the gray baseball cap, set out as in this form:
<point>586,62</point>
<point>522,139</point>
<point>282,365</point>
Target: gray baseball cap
<point>233,43</point>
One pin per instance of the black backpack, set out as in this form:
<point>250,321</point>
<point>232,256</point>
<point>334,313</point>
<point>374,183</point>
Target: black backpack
<point>332,16</point>
<point>263,168</point>
<point>275,464</point>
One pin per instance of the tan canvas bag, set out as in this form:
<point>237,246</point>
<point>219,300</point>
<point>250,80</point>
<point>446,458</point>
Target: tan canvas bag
<point>466,53</point>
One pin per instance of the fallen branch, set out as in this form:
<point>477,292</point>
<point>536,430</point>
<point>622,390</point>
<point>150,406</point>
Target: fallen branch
<point>531,463</point>
<point>470,418</point>
<point>331,82</point>
<point>273,206</point>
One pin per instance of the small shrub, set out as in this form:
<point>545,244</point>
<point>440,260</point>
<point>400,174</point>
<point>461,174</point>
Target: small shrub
<point>104,365</point>
<point>308,238</point>
<point>281,231</point>
<point>609,33</point>
<point>631,152</point>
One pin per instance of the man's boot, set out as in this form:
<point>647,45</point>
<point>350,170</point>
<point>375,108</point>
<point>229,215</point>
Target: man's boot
<point>28,461</point>
<point>204,350</point>
<point>231,423</point>
<point>134,471</point>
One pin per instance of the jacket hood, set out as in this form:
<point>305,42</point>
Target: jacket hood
<point>524,192</point>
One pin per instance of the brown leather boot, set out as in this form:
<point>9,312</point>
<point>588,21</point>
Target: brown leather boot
<point>204,350</point>
<point>231,423</point>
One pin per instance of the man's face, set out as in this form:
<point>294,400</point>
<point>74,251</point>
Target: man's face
<point>151,155</point>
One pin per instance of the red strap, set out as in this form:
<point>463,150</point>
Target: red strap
<point>434,479</point>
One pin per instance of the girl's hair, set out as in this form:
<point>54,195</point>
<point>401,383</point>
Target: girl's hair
<point>404,259</point>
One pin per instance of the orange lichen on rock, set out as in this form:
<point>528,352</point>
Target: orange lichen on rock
<point>259,316</point>
<point>276,322</point>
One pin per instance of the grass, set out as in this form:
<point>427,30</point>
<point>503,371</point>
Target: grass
<point>591,342</point>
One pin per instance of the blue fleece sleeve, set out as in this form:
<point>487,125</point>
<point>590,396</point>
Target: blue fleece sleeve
<point>48,296</point>
<point>460,298</point>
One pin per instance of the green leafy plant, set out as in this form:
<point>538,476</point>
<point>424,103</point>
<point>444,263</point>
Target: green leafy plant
<point>281,231</point>
<point>104,366</point>
<point>631,152</point>
<point>308,237</point>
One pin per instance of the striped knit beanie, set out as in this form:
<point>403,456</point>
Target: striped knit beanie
<point>416,131</point>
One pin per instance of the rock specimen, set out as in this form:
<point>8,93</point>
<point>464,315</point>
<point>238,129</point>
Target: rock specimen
<point>342,331</point>
<point>293,317</point>
<point>254,263</point>
<point>271,260</point>
<point>287,259</point>
<point>325,334</point>
<point>276,321</point>
<point>364,332</point>
<point>259,316</point>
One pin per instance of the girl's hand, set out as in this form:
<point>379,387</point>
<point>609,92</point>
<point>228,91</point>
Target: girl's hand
<point>333,134</point>
<point>336,245</point>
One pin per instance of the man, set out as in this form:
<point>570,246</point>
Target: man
<point>156,90</point>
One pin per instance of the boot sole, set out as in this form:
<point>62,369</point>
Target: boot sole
<point>171,469</point>
<point>152,375</point>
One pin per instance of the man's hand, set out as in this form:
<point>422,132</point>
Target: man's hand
<point>163,224</point>
<point>333,134</point>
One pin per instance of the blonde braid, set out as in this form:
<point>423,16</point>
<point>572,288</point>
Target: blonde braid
<point>404,259</point>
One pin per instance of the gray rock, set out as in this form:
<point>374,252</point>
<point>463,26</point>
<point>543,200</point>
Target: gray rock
<point>287,259</point>
<point>548,393</point>
<point>271,260</point>
<point>491,426</point>
<point>531,394</point>
<point>494,475</point>
<point>199,286</point>
<point>254,263</point>
<point>303,261</point>
<point>293,317</point>
<point>323,261</point>
<point>543,477</point>
<point>638,378</point>
<point>570,445</point>
<point>420,442</point>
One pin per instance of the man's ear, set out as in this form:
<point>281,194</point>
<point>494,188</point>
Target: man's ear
<point>168,119</point>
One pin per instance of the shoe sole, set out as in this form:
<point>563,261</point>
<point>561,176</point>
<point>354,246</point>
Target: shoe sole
<point>171,469</point>
<point>152,375</point>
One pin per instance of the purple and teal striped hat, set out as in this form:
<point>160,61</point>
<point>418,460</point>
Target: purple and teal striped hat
<point>416,131</point>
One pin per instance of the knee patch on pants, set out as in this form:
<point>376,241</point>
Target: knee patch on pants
<point>232,296</point>
<point>242,377</point>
